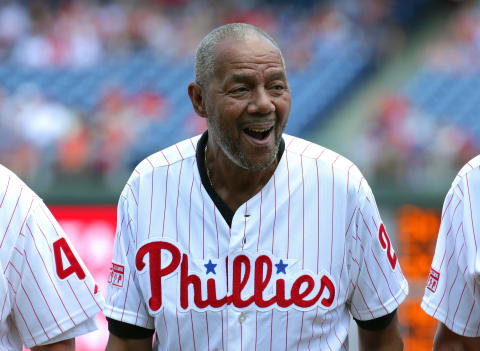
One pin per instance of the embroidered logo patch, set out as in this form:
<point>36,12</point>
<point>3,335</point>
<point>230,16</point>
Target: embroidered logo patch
<point>432,281</point>
<point>116,275</point>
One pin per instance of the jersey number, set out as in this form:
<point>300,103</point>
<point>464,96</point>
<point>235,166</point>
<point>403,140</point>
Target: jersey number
<point>387,245</point>
<point>60,246</point>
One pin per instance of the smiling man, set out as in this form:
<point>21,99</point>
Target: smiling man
<point>247,238</point>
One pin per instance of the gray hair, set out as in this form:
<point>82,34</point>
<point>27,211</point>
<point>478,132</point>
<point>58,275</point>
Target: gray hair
<point>205,53</point>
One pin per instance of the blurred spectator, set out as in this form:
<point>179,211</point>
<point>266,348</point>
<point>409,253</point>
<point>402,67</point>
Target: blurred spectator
<point>102,73</point>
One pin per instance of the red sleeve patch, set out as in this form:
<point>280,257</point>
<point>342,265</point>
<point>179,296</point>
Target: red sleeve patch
<point>432,281</point>
<point>116,276</point>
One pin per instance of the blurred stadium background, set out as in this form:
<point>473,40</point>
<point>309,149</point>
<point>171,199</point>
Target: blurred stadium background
<point>89,88</point>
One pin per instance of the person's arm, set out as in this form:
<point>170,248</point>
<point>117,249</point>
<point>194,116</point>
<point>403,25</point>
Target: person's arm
<point>119,344</point>
<point>387,339</point>
<point>446,340</point>
<point>64,345</point>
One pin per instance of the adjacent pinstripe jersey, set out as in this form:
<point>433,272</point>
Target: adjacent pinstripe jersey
<point>46,293</point>
<point>299,256</point>
<point>452,294</point>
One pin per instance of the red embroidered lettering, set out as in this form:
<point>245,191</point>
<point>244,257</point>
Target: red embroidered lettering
<point>187,279</point>
<point>432,281</point>
<point>260,283</point>
<point>154,251</point>
<point>239,282</point>
<point>387,246</point>
<point>60,246</point>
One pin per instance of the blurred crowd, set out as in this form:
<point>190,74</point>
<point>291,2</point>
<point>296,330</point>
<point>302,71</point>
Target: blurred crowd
<point>421,136</point>
<point>43,139</point>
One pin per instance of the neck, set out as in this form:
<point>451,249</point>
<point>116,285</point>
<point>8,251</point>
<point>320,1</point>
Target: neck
<point>234,184</point>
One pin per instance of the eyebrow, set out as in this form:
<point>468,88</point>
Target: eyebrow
<point>245,78</point>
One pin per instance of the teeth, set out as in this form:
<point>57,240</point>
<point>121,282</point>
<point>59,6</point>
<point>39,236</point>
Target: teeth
<point>258,130</point>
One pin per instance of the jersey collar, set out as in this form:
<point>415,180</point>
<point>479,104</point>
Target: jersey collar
<point>226,211</point>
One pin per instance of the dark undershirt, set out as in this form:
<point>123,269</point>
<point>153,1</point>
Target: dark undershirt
<point>128,331</point>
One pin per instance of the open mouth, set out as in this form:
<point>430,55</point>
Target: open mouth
<point>258,133</point>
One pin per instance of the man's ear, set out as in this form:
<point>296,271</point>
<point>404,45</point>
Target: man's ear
<point>197,98</point>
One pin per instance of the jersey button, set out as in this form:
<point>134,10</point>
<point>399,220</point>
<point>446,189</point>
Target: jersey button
<point>242,317</point>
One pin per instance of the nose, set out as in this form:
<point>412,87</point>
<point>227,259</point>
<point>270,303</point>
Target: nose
<point>261,103</point>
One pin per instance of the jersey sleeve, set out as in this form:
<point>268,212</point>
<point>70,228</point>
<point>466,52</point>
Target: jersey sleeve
<point>52,293</point>
<point>124,300</point>
<point>452,293</point>
<point>377,282</point>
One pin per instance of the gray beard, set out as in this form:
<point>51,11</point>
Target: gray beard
<point>237,156</point>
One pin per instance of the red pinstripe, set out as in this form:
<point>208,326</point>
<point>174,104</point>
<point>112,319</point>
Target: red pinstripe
<point>33,309</point>
<point>14,268</point>
<point>216,229</point>
<point>459,301</point>
<point>448,205</point>
<point>333,211</point>
<point>373,284</point>
<point>48,217</point>
<point>286,334</point>
<point>274,209</point>
<point>165,323</point>
<point>448,233</point>
<point>3,305</point>
<point>190,211</point>
<point>178,196</point>
<point>151,199</point>
<point>303,235</point>
<point>288,220</point>
<point>76,298</point>
<point>271,331</point>
<point>178,331</point>
<point>138,309</point>
<point>453,284</point>
<point>364,301</point>
<point>10,221</point>
<point>256,327</point>
<point>131,191</point>
<point>383,273</point>
<point>221,314</point>
<point>471,309</point>
<point>443,295</point>
<point>471,214</point>
<point>260,219</point>
<point>208,334</point>
<point>48,273</point>
<point>11,286</point>
<point>193,331</point>
<point>364,222</point>
<point>121,228</point>
<point>126,295</point>
<point>25,322</point>
<point>5,193</point>
<point>456,235</point>
<point>460,189</point>
<point>165,203</point>
<point>136,231</point>
<point>41,292</point>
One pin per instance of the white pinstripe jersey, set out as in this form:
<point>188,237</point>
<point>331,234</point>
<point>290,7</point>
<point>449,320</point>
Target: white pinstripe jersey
<point>452,294</point>
<point>300,255</point>
<point>42,299</point>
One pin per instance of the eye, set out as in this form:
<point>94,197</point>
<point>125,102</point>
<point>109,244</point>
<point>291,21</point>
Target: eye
<point>238,90</point>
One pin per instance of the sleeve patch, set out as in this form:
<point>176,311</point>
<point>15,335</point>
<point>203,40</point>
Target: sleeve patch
<point>432,281</point>
<point>116,276</point>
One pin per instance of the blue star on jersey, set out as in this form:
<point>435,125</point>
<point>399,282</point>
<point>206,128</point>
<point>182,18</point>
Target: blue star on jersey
<point>281,267</point>
<point>210,267</point>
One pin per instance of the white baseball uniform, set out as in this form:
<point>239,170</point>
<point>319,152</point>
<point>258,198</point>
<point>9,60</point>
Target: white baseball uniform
<point>300,255</point>
<point>452,294</point>
<point>46,293</point>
